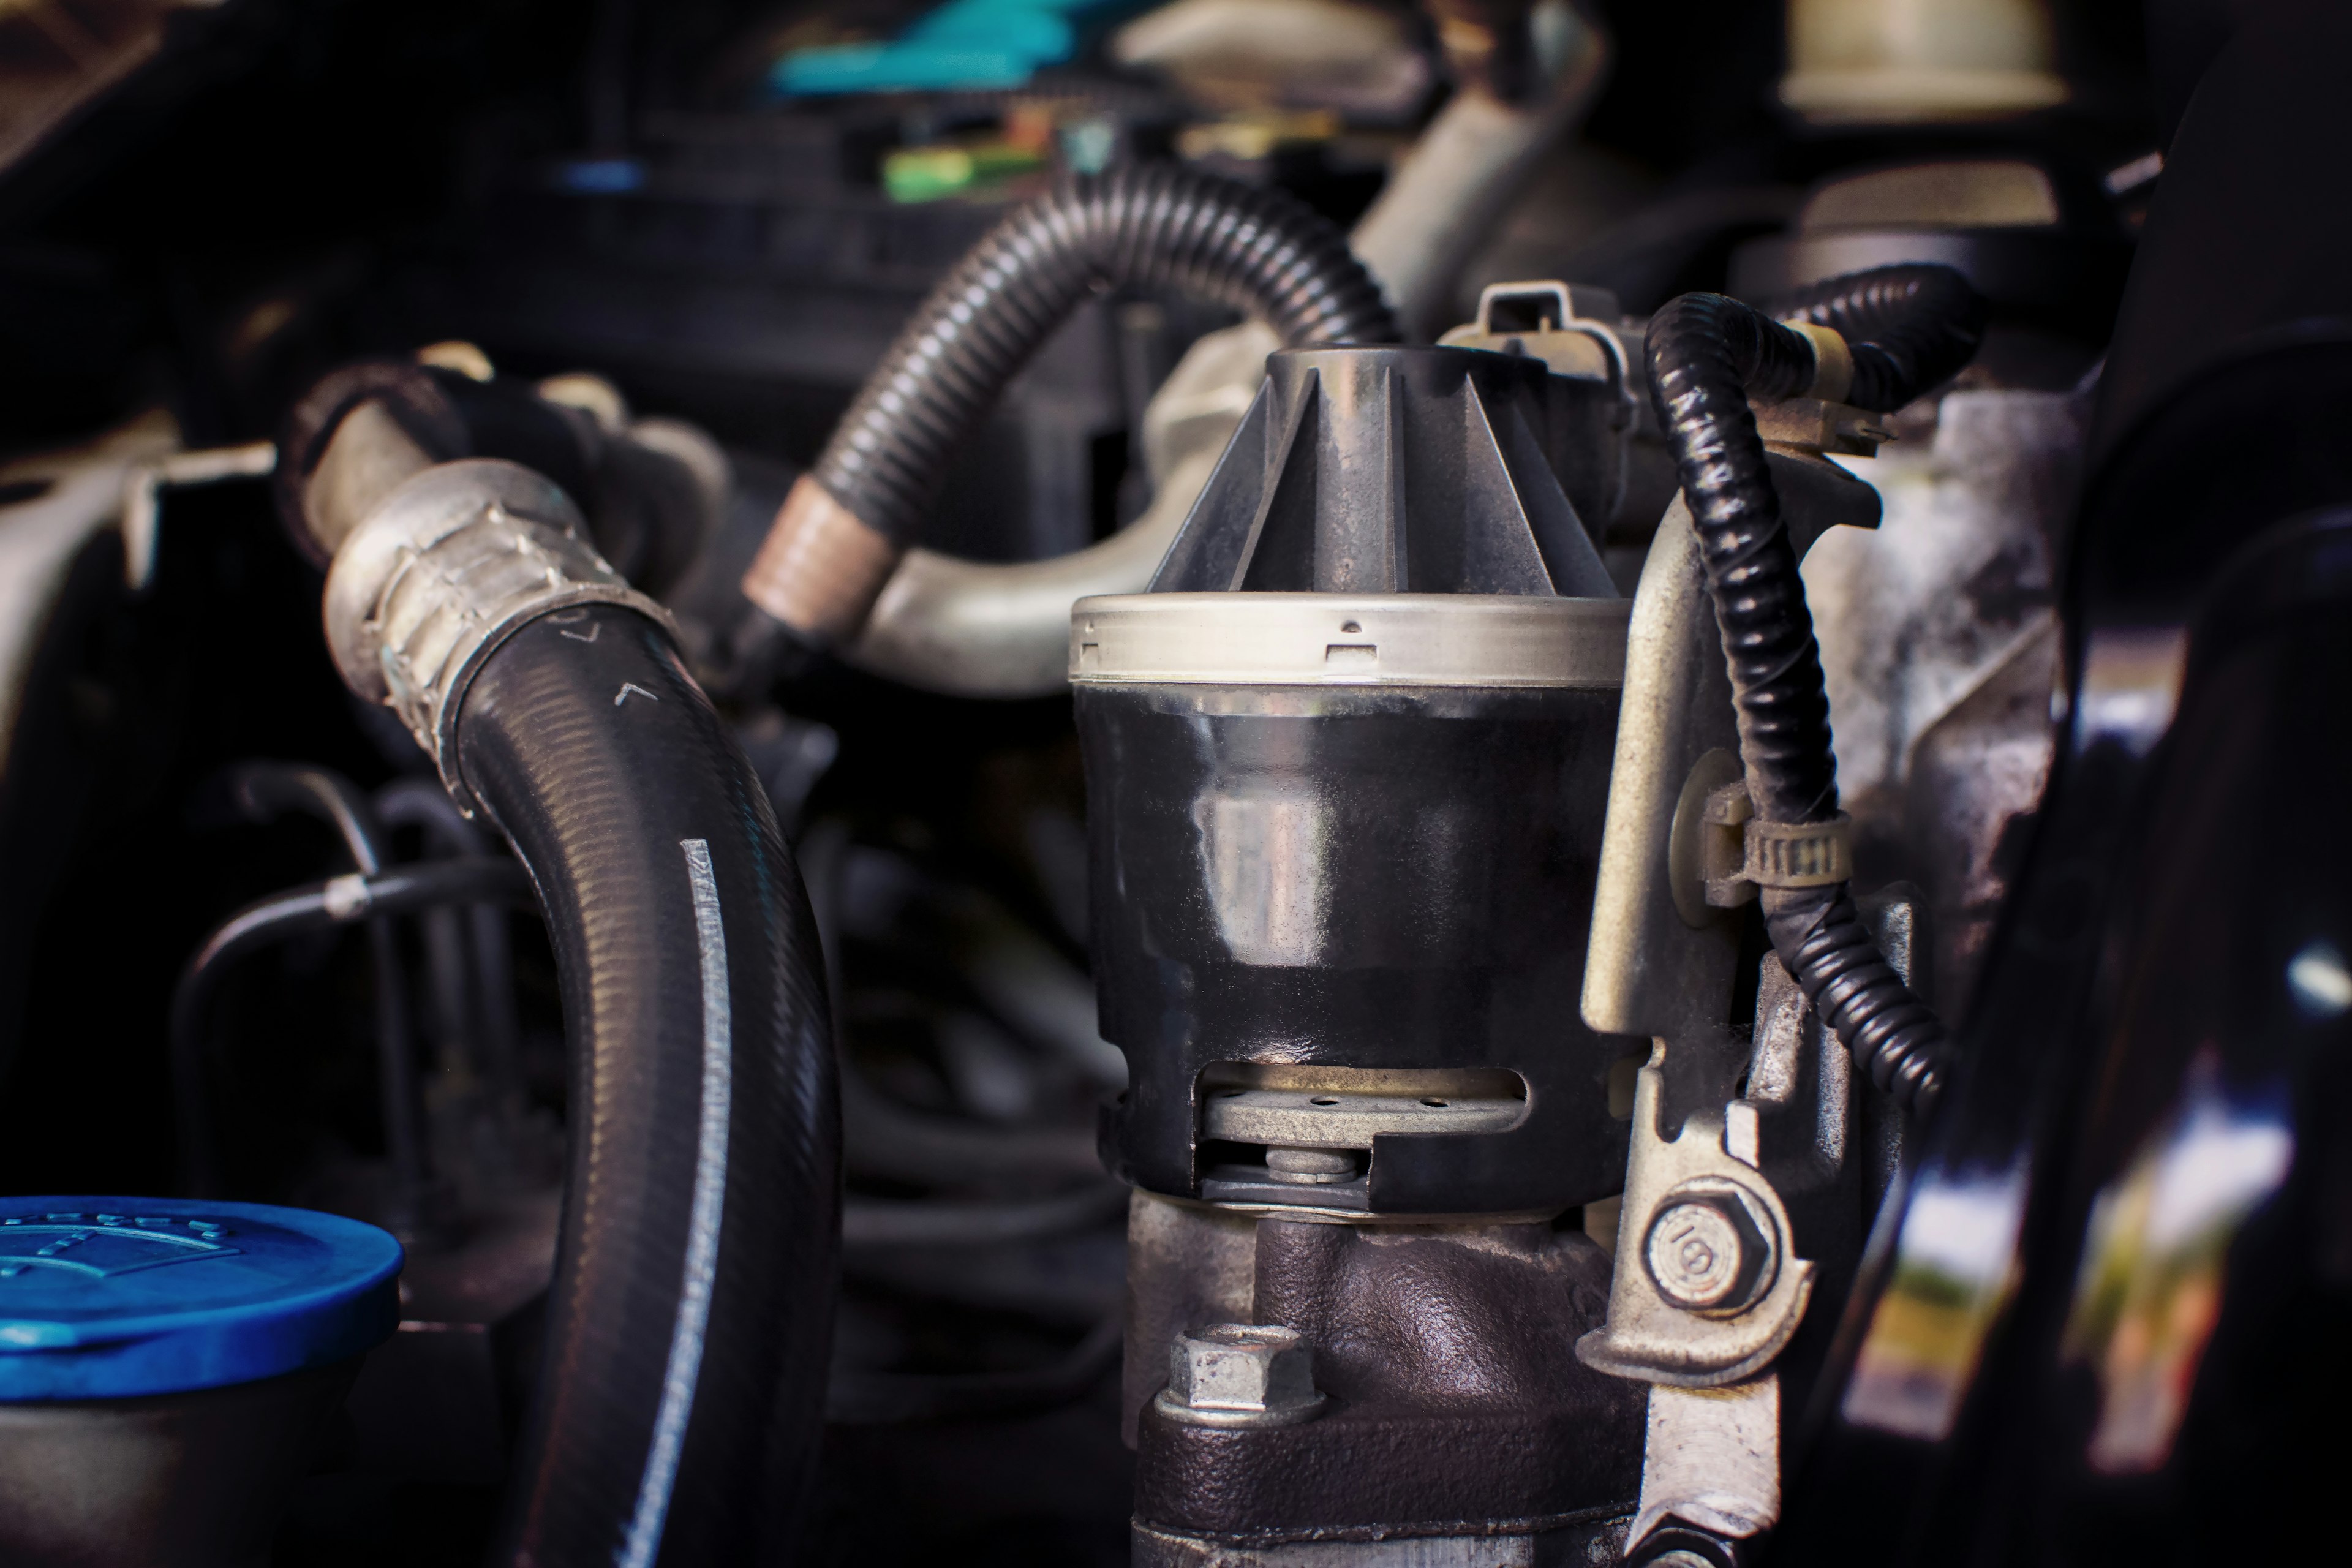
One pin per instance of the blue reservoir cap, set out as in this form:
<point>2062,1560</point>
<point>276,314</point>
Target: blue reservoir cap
<point>115,1298</point>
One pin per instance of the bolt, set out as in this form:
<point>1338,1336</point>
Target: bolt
<point>1708,1252</point>
<point>1242,1374</point>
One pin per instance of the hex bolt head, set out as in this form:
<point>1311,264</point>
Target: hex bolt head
<point>1241,1374</point>
<point>1706,1251</point>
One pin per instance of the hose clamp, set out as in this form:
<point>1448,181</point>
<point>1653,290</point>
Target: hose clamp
<point>1741,852</point>
<point>447,567</point>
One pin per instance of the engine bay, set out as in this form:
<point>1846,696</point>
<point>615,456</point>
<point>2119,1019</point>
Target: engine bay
<point>1316,784</point>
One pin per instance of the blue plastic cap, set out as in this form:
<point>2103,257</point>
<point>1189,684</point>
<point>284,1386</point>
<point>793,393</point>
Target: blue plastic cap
<point>115,1298</point>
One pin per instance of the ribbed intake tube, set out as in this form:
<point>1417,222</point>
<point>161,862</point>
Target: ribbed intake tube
<point>681,1392</point>
<point>845,523</point>
<point>1708,356</point>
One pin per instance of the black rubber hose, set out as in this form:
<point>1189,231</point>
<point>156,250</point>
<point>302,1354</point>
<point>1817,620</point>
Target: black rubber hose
<point>1908,328</point>
<point>1152,225</point>
<point>267,790</point>
<point>682,1387</point>
<point>322,906</point>
<point>1707,355</point>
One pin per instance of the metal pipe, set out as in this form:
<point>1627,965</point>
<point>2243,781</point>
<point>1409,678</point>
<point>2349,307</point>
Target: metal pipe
<point>281,917</point>
<point>267,790</point>
<point>496,1033</point>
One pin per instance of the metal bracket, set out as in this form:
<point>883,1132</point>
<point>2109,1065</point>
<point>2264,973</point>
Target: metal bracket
<point>1647,1336</point>
<point>1661,962</point>
<point>1811,427</point>
<point>1711,1462</point>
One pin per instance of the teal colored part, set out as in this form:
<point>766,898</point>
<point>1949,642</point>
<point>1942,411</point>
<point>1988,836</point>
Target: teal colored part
<point>105,1298</point>
<point>1041,36</point>
<point>896,68</point>
<point>969,44</point>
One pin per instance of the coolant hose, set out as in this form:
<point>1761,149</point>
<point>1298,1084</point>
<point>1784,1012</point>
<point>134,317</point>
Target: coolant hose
<point>689,1325</point>
<point>844,525</point>
<point>1708,356</point>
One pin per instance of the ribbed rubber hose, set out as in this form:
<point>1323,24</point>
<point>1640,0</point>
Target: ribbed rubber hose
<point>1908,328</point>
<point>1156,225</point>
<point>1707,355</point>
<point>689,1330</point>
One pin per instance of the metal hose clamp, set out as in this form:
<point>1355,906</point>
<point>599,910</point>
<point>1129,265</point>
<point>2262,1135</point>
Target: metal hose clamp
<point>446,567</point>
<point>1740,852</point>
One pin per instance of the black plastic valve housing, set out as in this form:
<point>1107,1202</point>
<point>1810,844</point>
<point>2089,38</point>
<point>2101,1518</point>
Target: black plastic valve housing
<point>1333,869</point>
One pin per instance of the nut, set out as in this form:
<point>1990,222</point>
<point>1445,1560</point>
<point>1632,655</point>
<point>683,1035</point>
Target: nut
<point>1241,1374</point>
<point>1708,1250</point>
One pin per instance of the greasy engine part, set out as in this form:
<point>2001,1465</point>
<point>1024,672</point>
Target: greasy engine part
<point>846,523</point>
<point>688,1325</point>
<point>1715,1271</point>
<point>1939,649</point>
<point>1452,1345</point>
<point>1345,765</point>
<point>1766,1121</point>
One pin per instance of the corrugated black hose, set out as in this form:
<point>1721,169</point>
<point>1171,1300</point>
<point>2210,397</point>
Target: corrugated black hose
<point>1907,328</point>
<point>688,1332</point>
<point>1152,225</point>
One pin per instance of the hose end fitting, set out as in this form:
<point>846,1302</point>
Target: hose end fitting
<point>821,567</point>
<point>1833,361</point>
<point>447,567</point>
